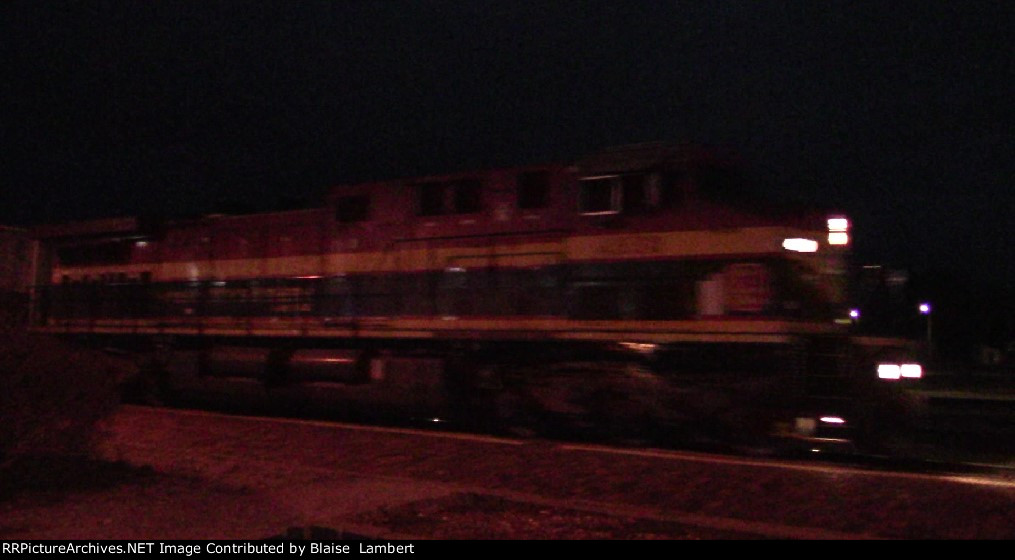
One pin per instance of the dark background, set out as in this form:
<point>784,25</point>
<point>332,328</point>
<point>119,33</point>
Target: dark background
<point>897,113</point>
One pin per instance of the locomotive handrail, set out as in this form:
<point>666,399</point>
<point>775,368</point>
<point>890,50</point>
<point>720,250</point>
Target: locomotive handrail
<point>480,235</point>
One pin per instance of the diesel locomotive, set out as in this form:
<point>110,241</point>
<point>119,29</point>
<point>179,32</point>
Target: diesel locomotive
<point>643,285</point>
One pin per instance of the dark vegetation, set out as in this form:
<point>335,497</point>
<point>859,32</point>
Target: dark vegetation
<point>53,476</point>
<point>53,397</point>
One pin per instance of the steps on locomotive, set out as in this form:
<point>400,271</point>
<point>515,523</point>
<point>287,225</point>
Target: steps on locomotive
<point>824,421</point>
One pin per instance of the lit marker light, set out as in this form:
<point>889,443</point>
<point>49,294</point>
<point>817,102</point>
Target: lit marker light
<point>854,313</point>
<point>832,420</point>
<point>911,371</point>
<point>838,224</point>
<point>800,245</point>
<point>889,371</point>
<point>838,238</point>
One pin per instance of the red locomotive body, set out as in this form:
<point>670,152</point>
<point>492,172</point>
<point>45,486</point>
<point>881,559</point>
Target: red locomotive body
<point>539,288</point>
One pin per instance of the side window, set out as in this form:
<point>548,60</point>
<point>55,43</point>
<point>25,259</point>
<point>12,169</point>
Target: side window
<point>599,195</point>
<point>430,199</point>
<point>466,196</point>
<point>533,190</point>
<point>671,189</point>
<point>463,196</point>
<point>95,254</point>
<point>635,193</point>
<point>351,209</point>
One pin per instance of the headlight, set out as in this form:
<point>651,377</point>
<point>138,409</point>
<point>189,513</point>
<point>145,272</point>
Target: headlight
<point>889,371</point>
<point>892,372</point>
<point>911,371</point>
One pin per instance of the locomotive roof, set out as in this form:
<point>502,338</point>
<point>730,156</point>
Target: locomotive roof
<point>355,188</point>
<point>648,156</point>
<point>614,160</point>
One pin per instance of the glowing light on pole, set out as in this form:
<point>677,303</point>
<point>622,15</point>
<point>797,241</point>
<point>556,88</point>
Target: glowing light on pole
<point>925,310</point>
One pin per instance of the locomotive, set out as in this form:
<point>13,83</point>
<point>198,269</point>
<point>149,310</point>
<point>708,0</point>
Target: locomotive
<point>641,285</point>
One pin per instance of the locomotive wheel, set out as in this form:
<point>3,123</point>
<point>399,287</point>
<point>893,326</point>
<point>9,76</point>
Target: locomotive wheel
<point>149,385</point>
<point>516,415</point>
<point>617,419</point>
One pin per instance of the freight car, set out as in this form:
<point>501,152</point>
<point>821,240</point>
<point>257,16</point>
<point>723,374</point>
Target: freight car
<point>643,285</point>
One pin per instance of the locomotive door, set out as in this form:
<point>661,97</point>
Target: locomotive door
<point>414,270</point>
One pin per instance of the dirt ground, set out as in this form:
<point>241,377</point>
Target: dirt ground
<point>181,475</point>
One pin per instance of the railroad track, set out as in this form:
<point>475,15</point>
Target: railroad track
<point>818,461</point>
<point>349,470</point>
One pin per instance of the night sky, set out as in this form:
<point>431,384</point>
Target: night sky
<point>898,113</point>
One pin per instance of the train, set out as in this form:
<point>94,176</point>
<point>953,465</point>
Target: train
<point>644,285</point>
